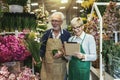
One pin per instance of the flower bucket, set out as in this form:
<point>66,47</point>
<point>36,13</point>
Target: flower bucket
<point>14,66</point>
<point>15,8</point>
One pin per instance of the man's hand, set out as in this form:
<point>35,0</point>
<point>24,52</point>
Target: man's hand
<point>35,61</point>
<point>58,54</point>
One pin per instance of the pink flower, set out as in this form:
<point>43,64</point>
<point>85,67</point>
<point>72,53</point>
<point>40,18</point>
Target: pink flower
<point>4,72</point>
<point>12,48</point>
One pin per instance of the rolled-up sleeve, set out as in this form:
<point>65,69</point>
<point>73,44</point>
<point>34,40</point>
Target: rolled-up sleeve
<point>91,54</point>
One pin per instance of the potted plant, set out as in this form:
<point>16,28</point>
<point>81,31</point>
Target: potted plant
<point>16,5</point>
<point>16,2</point>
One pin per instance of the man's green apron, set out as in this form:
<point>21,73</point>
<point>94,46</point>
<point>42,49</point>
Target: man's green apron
<point>78,69</point>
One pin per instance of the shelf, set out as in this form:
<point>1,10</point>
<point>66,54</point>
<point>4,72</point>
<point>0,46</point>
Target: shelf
<point>95,73</point>
<point>108,77</point>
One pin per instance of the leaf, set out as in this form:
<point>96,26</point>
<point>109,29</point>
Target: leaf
<point>34,48</point>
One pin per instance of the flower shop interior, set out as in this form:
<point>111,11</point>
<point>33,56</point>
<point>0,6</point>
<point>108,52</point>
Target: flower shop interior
<point>23,22</point>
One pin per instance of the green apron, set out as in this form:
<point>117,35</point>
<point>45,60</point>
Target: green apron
<point>78,69</point>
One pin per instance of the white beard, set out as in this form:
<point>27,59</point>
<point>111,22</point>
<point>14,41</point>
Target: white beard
<point>56,28</point>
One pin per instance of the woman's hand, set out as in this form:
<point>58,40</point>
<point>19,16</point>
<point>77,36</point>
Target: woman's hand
<point>79,55</point>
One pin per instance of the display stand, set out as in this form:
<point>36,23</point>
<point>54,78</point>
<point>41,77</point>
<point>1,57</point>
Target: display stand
<point>95,7</point>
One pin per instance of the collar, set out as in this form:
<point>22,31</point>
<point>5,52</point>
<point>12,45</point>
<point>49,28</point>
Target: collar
<point>61,31</point>
<point>81,36</point>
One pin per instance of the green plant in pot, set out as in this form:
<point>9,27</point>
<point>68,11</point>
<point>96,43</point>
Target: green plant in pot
<point>16,5</point>
<point>16,2</point>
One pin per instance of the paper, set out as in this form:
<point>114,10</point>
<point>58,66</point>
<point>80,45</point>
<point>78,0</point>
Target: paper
<point>71,48</point>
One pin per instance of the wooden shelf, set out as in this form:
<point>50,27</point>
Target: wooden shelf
<point>95,73</point>
<point>109,77</point>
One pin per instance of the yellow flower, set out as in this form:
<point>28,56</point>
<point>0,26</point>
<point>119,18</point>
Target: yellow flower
<point>32,35</point>
<point>91,2</point>
<point>87,4</point>
<point>83,18</point>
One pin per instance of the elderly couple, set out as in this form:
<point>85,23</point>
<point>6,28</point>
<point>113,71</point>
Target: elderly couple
<point>54,66</point>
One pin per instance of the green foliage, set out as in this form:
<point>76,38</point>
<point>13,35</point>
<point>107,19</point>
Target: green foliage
<point>102,9</point>
<point>1,14</point>
<point>20,21</point>
<point>107,47</point>
<point>42,26</point>
<point>111,54</point>
<point>69,28</point>
<point>34,48</point>
<point>54,51</point>
<point>17,2</point>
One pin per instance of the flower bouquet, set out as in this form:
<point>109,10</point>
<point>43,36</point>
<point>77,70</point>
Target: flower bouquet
<point>33,46</point>
<point>12,49</point>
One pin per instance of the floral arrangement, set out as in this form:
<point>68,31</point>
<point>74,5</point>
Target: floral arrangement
<point>25,74</point>
<point>12,49</point>
<point>91,28</point>
<point>111,18</point>
<point>41,14</point>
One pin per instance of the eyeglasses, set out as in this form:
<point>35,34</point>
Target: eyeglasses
<point>55,21</point>
<point>77,27</point>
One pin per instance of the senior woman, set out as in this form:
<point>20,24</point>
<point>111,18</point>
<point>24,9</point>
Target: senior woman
<point>79,65</point>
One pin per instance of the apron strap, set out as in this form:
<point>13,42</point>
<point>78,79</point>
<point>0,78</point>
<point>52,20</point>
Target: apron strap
<point>83,39</point>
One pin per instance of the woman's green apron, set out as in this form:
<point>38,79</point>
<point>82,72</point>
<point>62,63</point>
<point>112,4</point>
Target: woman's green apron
<point>78,69</point>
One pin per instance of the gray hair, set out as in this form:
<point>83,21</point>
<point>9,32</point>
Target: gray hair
<point>76,21</point>
<point>59,13</point>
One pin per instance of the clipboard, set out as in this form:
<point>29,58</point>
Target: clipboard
<point>71,47</point>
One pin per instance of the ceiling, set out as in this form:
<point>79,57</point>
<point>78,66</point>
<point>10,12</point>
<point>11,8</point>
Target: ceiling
<point>49,5</point>
<point>55,5</point>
